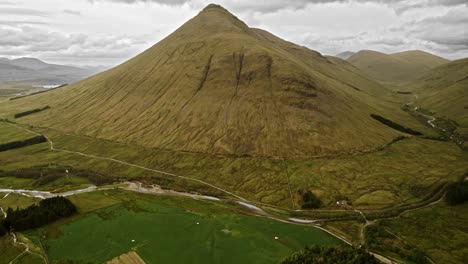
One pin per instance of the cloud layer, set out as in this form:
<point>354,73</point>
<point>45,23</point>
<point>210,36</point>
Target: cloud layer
<point>108,32</point>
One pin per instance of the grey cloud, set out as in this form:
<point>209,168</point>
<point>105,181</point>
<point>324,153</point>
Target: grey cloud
<point>388,41</point>
<point>21,11</point>
<point>164,2</point>
<point>7,3</point>
<point>72,12</point>
<point>449,29</point>
<point>272,6</point>
<point>35,41</point>
<point>21,22</point>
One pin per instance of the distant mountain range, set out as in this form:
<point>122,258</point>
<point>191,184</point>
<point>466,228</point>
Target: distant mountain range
<point>345,55</point>
<point>39,72</point>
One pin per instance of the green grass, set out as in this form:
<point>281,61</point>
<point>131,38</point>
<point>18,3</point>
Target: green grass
<point>10,133</point>
<point>165,230</point>
<point>441,231</point>
<point>403,173</point>
<point>16,200</point>
<point>7,251</point>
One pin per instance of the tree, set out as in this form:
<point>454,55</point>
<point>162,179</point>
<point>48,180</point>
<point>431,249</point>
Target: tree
<point>330,255</point>
<point>457,193</point>
<point>3,230</point>
<point>48,210</point>
<point>309,200</point>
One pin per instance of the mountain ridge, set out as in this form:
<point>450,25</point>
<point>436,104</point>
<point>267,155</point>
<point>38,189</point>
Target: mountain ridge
<point>398,69</point>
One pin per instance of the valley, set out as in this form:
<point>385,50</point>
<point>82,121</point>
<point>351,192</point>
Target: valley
<point>223,143</point>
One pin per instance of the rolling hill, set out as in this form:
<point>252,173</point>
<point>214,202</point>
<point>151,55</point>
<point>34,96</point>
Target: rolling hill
<point>217,86</point>
<point>395,70</point>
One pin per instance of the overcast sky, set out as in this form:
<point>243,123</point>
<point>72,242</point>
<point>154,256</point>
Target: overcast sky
<point>108,32</point>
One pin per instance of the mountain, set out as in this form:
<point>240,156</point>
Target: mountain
<point>217,86</point>
<point>345,55</point>
<point>29,63</point>
<point>38,72</point>
<point>445,91</point>
<point>398,69</point>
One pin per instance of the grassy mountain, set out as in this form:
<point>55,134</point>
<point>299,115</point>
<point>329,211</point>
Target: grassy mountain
<point>217,86</point>
<point>398,69</point>
<point>445,91</point>
<point>38,72</point>
<point>345,55</point>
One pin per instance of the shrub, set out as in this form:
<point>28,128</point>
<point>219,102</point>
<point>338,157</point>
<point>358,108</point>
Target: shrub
<point>22,143</point>
<point>330,255</point>
<point>25,113</point>
<point>457,193</point>
<point>309,200</point>
<point>396,126</point>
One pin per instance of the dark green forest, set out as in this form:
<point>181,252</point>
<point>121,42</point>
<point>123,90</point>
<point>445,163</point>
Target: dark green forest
<point>46,211</point>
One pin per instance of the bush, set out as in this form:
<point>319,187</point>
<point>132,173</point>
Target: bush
<point>309,200</point>
<point>3,230</point>
<point>22,143</point>
<point>457,193</point>
<point>330,255</point>
<point>25,113</point>
<point>417,256</point>
<point>396,126</point>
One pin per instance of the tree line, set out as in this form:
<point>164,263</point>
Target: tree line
<point>396,126</point>
<point>25,113</point>
<point>22,143</point>
<point>46,211</point>
<point>331,255</point>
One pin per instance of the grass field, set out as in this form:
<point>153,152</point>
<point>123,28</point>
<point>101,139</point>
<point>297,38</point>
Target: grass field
<point>405,172</point>
<point>169,230</point>
<point>440,231</point>
<point>10,133</point>
<point>11,89</point>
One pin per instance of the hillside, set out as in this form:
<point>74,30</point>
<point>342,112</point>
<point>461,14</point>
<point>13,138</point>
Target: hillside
<point>395,70</point>
<point>445,91</point>
<point>35,71</point>
<point>217,86</point>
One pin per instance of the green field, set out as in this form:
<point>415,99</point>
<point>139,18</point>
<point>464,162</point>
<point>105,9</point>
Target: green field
<point>10,133</point>
<point>165,230</point>
<point>440,231</point>
<point>405,172</point>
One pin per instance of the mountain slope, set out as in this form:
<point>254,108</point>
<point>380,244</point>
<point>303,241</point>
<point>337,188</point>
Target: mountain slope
<point>217,86</point>
<point>445,90</point>
<point>398,69</point>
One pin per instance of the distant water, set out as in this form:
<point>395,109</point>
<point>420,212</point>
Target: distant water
<point>47,86</point>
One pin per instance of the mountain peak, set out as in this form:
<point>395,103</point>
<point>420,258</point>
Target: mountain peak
<point>213,6</point>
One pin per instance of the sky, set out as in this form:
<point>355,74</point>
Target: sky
<point>109,32</point>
